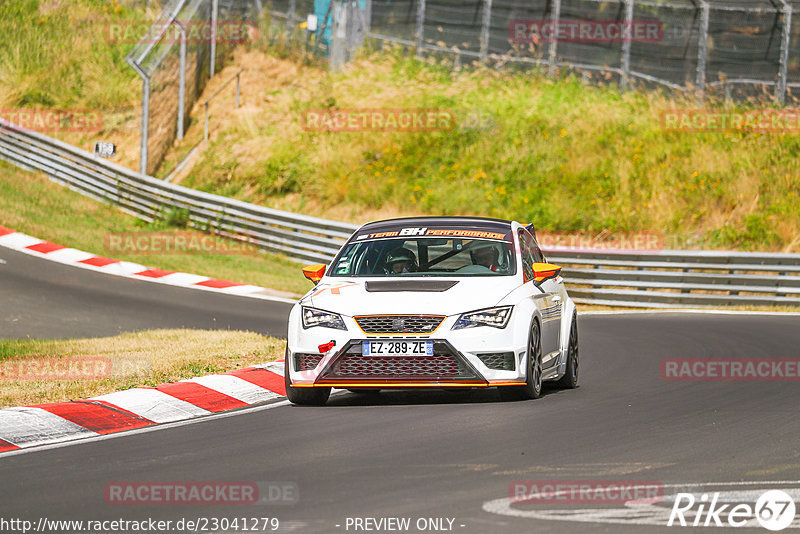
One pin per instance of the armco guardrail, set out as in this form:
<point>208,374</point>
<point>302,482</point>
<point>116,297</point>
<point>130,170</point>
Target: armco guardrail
<point>675,278</point>
<point>668,278</point>
<point>300,237</point>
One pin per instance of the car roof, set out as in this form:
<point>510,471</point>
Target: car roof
<point>482,222</point>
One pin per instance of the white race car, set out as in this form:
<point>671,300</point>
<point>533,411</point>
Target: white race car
<point>442,302</point>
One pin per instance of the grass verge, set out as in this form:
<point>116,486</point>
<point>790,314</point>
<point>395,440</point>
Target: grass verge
<point>146,358</point>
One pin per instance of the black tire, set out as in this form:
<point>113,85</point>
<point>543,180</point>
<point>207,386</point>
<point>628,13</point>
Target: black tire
<point>303,396</point>
<point>533,375</point>
<point>570,378</point>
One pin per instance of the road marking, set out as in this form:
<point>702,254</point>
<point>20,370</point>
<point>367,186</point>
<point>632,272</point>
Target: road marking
<point>156,428</point>
<point>235,387</point>
<point>152,404</point>
<point>28,426</point>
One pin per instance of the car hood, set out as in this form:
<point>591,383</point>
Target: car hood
<point>437,296</point>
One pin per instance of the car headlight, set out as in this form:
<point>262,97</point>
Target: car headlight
<point>496,317</point>
<point>314,317</point>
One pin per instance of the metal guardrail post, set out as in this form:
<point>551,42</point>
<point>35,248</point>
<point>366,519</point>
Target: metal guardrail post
<point>420,31</point>
<point>555,17</point>
<point>780,87</point>
<point>702,43</point>
<point>214,17</point>
<point>485,29</point>
<point>181,79</point>
<point>625,61</point>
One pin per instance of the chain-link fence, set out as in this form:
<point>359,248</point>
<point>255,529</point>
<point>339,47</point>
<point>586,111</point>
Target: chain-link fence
<point>182,49</point>
<point>734,47</point>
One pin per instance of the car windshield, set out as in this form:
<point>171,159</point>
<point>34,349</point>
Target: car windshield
<point>423,256</point>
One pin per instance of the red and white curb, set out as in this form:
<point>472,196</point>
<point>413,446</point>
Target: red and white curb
<point>44,424</point>
<point>86,260</point>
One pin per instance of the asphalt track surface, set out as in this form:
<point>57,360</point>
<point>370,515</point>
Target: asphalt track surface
<point>416,454</point>
<point>46,299</point>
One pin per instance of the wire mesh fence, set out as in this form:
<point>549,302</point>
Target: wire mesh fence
<point>186,44</point>
<point>728,47</point>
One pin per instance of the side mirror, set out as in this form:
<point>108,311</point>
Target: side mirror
<point>314,272</point>
<point>545,271</point>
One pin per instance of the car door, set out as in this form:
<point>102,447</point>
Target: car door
<point>549,299</point>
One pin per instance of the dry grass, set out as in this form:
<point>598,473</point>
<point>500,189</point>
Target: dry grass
<point>146,358</point>
<point>568,156</point>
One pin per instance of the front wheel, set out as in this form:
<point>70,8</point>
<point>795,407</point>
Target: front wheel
<point>303,396</point>
<point>533,375</point>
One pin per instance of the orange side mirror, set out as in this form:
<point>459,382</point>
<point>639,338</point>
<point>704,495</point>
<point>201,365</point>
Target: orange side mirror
<point>545,271</point>
<point>314,272</point>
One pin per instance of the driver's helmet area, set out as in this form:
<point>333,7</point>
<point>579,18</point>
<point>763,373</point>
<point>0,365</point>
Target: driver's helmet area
<point>400,260</point>
<point>486,255</point>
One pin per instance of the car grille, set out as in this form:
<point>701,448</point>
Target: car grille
<point>399,324</point>
<point>306,362</point>
<point>406,366</point>
<point>445,364</point>
<point>503,361</point>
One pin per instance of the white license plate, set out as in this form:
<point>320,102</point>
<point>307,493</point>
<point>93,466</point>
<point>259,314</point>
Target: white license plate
<point>397,347</point>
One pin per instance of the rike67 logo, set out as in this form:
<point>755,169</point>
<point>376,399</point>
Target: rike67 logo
<point>774,510</point>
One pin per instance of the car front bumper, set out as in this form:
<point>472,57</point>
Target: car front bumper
<point>472,357</point>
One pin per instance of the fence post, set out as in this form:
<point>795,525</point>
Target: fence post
<point>205,128</point>
<point>290,17</point>
<point>702,42</point>
<point>238,74</point>
<point>214,15</point>
<point>181,79</point>
<point>780,87</point>
<point>420,25</point>
<point>145,125</point>
<point>555,16</point>
<point>485,29</point>
<point>625,62</point>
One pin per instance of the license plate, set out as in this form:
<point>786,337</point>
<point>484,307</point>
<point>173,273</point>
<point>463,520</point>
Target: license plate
<point>397,347</point>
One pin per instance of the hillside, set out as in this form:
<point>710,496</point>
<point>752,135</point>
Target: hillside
<point>569,156</point>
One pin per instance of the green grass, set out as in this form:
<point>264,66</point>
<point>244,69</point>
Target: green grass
<point>566,155</point>
<point>146,358</point>
<point>32,204</point>
<point>56,54</point>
